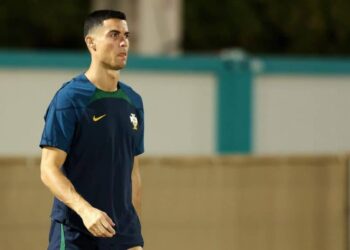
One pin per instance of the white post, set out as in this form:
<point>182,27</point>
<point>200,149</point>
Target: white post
<point>160,26</point>
<point>155,25</point>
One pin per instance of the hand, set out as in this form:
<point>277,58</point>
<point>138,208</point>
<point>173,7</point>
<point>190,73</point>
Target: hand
<point>98,222</point>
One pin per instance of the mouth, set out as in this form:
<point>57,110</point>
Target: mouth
<point>122,54</point>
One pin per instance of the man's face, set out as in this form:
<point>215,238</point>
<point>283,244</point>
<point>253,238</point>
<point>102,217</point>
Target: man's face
<point>111,43</point>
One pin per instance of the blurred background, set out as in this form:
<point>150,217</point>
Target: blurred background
<point>246,106</point>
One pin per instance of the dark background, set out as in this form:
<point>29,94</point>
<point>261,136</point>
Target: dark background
<point>308,27</point>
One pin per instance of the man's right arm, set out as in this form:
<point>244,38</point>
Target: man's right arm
<point>96,221</point>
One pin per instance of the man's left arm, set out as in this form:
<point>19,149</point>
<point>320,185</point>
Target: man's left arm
<point>136,186</point>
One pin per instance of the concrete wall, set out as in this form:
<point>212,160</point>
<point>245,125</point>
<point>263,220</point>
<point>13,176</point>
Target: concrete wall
<point>206,203</point>
<point>179,108</point>
<point>195,105</point>
<point>180,111</point>
<point>291,114</point>
<point>301,113</point>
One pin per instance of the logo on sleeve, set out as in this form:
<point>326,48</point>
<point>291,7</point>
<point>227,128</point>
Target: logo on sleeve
<point>133,120</point>
<point>97,118</point>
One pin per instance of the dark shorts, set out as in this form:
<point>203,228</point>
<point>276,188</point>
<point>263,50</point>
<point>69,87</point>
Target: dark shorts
<point>63,237</point>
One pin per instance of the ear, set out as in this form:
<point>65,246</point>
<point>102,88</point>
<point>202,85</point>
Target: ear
<point>90,42</point>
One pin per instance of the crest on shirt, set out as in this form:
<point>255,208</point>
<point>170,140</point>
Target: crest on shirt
<point>134,121</point>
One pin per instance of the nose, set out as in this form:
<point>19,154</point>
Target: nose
<point>123,41</point>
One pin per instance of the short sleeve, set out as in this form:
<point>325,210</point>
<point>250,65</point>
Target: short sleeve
<point>60,123</point>
<point>139,145</point>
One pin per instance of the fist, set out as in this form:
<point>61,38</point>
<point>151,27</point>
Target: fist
<point>98,223</point>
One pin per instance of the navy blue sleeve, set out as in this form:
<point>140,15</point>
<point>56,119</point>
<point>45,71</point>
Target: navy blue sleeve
<point>60,120</point>
<point>139,146</point>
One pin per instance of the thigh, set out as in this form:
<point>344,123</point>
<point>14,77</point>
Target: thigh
<point>54,236</point>
<point>119,247</point>
<point>63,237</point>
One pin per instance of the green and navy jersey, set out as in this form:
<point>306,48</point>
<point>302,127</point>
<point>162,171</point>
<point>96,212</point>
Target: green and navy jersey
<point>101,132</point>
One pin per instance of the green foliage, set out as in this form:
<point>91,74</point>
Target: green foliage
<point>42,23</point>
<point>318,27</point>
<point>268,26</point>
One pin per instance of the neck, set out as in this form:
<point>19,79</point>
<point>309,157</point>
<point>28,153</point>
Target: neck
<point>102,78</point>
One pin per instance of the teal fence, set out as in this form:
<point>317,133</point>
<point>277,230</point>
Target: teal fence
<point>234,77</point>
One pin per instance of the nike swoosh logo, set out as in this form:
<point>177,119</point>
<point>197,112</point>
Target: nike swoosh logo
<point>97,118</point>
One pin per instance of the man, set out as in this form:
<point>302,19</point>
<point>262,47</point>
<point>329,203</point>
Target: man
<point>93,133</point>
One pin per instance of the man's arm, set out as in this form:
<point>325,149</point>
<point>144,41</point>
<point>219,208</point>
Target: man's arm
<point>136,186</point>
<point>96,221</point>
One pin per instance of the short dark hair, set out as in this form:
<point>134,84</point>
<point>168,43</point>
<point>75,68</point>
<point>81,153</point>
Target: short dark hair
<point>97,17</point>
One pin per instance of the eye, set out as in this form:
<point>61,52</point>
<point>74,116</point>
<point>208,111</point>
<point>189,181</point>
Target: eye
<point>127,35</point>
<point>114,35</point>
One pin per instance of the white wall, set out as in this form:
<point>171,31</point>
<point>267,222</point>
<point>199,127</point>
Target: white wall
<point>24,96</point>
<point>179,109</point>
<point>293,114</point>
<point>301,114</point>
